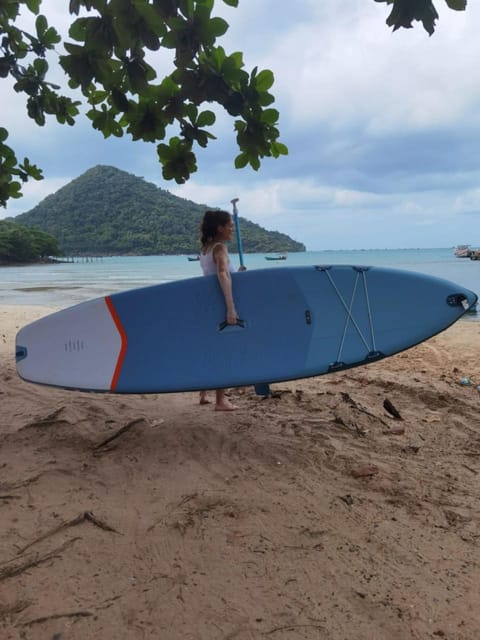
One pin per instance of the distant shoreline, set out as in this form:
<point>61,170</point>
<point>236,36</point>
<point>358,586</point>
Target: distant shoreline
<point>3,263</point>
<point>48,261</point>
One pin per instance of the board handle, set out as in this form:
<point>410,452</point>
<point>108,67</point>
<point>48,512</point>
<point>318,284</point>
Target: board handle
<point>20,353</point>
<point>457,300</point>
<point>241,324</point>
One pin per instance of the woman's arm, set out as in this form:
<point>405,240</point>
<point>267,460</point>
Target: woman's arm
<point>220,256</point>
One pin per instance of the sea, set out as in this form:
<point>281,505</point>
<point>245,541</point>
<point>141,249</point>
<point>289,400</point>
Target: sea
<point>63,284</point>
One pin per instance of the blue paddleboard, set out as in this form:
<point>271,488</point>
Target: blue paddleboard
<point>296,322</point>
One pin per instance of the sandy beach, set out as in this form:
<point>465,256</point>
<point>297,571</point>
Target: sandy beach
<point>344,507</point>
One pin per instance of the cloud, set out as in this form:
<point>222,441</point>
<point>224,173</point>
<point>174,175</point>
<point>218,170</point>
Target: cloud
<point>351,69</point>
<point>383,128</point>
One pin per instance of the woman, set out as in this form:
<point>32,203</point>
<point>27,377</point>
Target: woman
<point>215,230</point>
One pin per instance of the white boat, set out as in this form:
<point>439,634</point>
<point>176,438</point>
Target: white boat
<point>281,256</point>
<point>463,251</point>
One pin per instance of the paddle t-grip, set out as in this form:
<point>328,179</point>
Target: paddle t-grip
<point>237,230</point>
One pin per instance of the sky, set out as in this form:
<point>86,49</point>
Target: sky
<point>383,128</point>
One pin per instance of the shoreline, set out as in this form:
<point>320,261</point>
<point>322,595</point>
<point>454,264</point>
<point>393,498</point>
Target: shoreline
<point>33,263</point>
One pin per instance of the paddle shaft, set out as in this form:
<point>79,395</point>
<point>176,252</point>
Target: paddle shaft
<point>237,231</point>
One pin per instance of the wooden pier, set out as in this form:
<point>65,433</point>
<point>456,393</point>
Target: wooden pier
<point>82,259</point>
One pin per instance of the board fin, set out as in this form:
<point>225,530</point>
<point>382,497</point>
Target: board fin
<point>262,389</point>
<point>371,356</point>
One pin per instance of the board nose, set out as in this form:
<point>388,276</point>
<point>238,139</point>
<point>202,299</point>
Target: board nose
<point>465,299</point>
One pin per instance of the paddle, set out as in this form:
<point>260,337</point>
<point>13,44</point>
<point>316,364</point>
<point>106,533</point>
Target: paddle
<point>237,230</point>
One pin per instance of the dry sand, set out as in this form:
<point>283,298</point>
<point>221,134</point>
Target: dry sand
<point>312,514</point>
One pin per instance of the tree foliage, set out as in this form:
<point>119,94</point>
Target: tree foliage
<point>106,211</point>
<point>105,60</point>
<point>21,244</point>
<point>404,12</point>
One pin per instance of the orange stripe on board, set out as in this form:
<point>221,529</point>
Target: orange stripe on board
<point>123,348</point>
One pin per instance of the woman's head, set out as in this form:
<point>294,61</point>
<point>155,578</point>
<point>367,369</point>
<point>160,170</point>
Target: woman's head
<point>215,225</point>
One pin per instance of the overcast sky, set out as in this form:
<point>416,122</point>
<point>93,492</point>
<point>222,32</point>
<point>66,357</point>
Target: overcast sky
<point>383,128</point>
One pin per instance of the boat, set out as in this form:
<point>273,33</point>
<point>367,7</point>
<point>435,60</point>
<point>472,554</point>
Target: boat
<point>281,256</point>
<point>463,251</point>
<point>193,258</point>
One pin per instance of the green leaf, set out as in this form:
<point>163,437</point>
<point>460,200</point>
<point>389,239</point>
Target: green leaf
<point>264,80</point>
<point>41,25</point>
<point>31,169</point>
<point>3,134</point>
<point>73,49</point>
<point>166,90</point>
<point>191,111</point>
<point>97,97</point>
<point>241,161</point>
<point>78,67</point>
<point>34,6</point>
<point>149,16</point>
<point>270,116</point>
<point>78,29</point>
<point>206,119</point>
<point>14,190</point>
<point>254,162</point>
<point>5,67</point>
<point>139,74</point>
<point>265,99</point>
<point>208,4</point>
<point>404,12</point>
<point>280,148</point>
<point>457,5</point>
<point>41,66</point>
<point>119,100</point>
<point>217,27</point>
<point>169,41</point>
<point>232,69</point>
<point>50,37</point>
<point>217,57</point>
<point>231,3</point>
<point>234,104</point>
<point>163,151</point>
<point>187,8</point>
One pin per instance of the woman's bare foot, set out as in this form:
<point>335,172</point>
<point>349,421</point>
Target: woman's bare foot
<point>222,403</point>
<point>203,398</point>
<point>225,405</point>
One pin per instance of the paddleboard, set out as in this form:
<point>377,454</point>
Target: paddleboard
<point>296,322</point>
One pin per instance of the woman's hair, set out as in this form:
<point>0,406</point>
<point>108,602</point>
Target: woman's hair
<point>210,223</point>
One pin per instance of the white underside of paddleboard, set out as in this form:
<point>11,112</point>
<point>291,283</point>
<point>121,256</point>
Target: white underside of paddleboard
<point>89,349</point>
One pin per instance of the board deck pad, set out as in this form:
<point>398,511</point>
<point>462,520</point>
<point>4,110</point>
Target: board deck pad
<point>296,322</point>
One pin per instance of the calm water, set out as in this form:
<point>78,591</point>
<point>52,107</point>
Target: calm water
<point>61,285</point>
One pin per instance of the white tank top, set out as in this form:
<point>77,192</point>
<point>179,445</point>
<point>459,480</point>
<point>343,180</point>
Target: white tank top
<point>208,264</point>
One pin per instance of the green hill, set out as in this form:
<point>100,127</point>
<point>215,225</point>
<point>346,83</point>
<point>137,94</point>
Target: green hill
<point>106,211</point>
